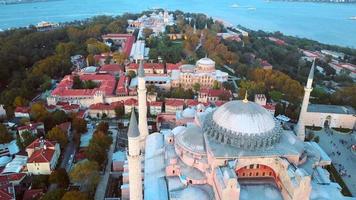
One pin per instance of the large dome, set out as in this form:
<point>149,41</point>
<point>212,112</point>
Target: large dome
<point>243,124</point>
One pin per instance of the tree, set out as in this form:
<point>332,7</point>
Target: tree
<point>119,58</point>
<point>216,85</point>
<point>87,174</point>
<point>196,87</point>
<point>98,147</point>
<point>27,138</point>
<point>119,112</point>
<point>20,102</point>
<point>66,49</point>
<point>75,195</point>
<point>118,26</point>
<point>38,111</point>
<point>147,32</point>
<point>95,47</point>
<point>56,134</point>
<point>59,177</point>
<point>39,181</point>
<point>103,126</point>
<point>5,136</point>
<point>131,74</point>
<point>79,125</point>
<point>55,194</point>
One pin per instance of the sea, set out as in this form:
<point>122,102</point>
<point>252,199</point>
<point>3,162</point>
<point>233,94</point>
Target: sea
<point>325,22</point>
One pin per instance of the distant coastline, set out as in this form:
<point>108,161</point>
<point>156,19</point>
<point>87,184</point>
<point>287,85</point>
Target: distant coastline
<point>320,1</point>
<point>10,2</point>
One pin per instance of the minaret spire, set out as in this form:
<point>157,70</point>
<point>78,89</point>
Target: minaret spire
<point>245,100</point>
<point>142,104</point>
<point>134,159</point>
<point>300,128</point>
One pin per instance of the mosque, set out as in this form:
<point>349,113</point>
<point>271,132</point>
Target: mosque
<point>236,151</point>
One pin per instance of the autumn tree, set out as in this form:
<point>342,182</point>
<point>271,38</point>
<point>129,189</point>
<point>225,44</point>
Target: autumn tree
<point>103,126</point>
<point>196,87</point>
<point>119,58</point>
<point>59,177</point>
<point>20,102</point>
<point>75,195</point>
<point>118,26</point>
<point>98,147</point>
<point>5,136</point>
<point>79,125</point>
<point>87,174</point>
<point>56,134</point>
<point>55,194</point>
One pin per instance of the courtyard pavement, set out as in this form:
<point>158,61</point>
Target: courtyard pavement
<point>338,147</point>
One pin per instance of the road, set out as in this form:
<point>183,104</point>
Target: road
<point>101,188</point>
<point>337,146</point>
<point>68,156</point>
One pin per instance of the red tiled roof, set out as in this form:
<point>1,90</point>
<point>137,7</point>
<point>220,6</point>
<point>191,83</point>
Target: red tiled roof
<point>22,109</point>
<point>215,93</point>
<point>111,68</point>
<point>131,102</point>
<point>32,194</point>
<point>4,193</point>
<point>171,66</point>
<point>31,126</point>
<point>81,114</point>
<point>37,143</point>
<point>122,85</point>
<point>156,103</point>
<point>71,107</point>
<point>146,66</point>
<point>174,102</point>
<point>107,85</point>
<point>41,156</point>
<point>129,41</point>
<point>192,102</point>
<point>102,106</point>
<point>51,107</point>
<point>270,106</point>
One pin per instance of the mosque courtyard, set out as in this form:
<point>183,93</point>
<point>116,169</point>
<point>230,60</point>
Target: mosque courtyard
<point>338,147</point>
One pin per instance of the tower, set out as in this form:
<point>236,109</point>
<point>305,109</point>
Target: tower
<point>134,159</point>
<point>300,128</point>
<point>142,104</point>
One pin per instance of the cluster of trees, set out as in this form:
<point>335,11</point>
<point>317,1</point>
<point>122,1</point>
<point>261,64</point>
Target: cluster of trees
<point>79,84</point>
<point>167,50</point>
<point>99,144</point>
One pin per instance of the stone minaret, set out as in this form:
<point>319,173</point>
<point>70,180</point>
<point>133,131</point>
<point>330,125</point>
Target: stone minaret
<point>134,159</point>
<point>300,128</point>
<point>142,104</point>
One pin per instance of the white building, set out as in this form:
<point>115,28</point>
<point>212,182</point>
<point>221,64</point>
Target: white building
<point>42,156</point>
<point>139,51</point>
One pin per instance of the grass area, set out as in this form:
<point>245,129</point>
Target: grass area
<point>335,176</point>
<point>314,128</point>
<point>342,130</point>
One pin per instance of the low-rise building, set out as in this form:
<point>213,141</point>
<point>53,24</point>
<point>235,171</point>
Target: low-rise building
<point>213,95</point>
<point>124,41</point>
<point>43,156</point>
<point>113,69</point>
<point>155,107</point>
<point>173,105</point>
<point>129,104</point>
<point>100,110</point>
<point>149,68</point>
<point>33,128</point>
<point>22,112</point>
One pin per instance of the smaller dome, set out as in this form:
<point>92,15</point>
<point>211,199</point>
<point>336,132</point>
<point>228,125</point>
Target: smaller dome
<point>194,193</point>
<point>178,129</point>
<point>206,61</point>
<point>192,139</point>
<point>188,113</point>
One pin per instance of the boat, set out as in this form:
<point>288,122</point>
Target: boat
<point>235,5</point>
<point>352,18</point>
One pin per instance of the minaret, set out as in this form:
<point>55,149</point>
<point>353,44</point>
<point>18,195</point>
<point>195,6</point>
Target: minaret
<point>300,128</point>
<point>134,159</point>
<point>142,104</point>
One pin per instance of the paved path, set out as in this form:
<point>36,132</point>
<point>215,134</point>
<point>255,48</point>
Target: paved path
<point>101,188</point>
<point>337,146</point>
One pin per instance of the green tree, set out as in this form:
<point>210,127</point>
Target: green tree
<point>39,181</point>
<point>196,87</point>
<point>75,195</point>
<point>27,138</point>
<point>147,32</point>
<point>118,26</point>
<point>66,49</point>
<point>119,112</point>
<point>38,111</point>
<point>59,177</point>
<point>119,58</point>
<point>5,136</point>
<point>87,174</point>
<point>56,134</point>
<point>131,74</point>
<point>98,147</point>
<point>216,85</point>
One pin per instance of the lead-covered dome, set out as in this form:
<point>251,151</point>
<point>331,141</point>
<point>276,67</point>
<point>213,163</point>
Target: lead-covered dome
<point>205,64</point>
<point>243,124</point>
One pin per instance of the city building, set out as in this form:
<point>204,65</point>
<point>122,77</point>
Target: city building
<point>113,69</point>
<point>261,100</point>
<point>333,54</point>
<point>345,68</point>
<point>149,68</point>
<point>173,105</point>
<point>203,73</point>
<point>22,112</point>
<point>155,107</point>
<point>155,21</point>
<point>101,110</point>
<point>213,95</point>
<point>123,41</point>
<point>139,51</point>
<point>33,128</point>
<point>42,156</point>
